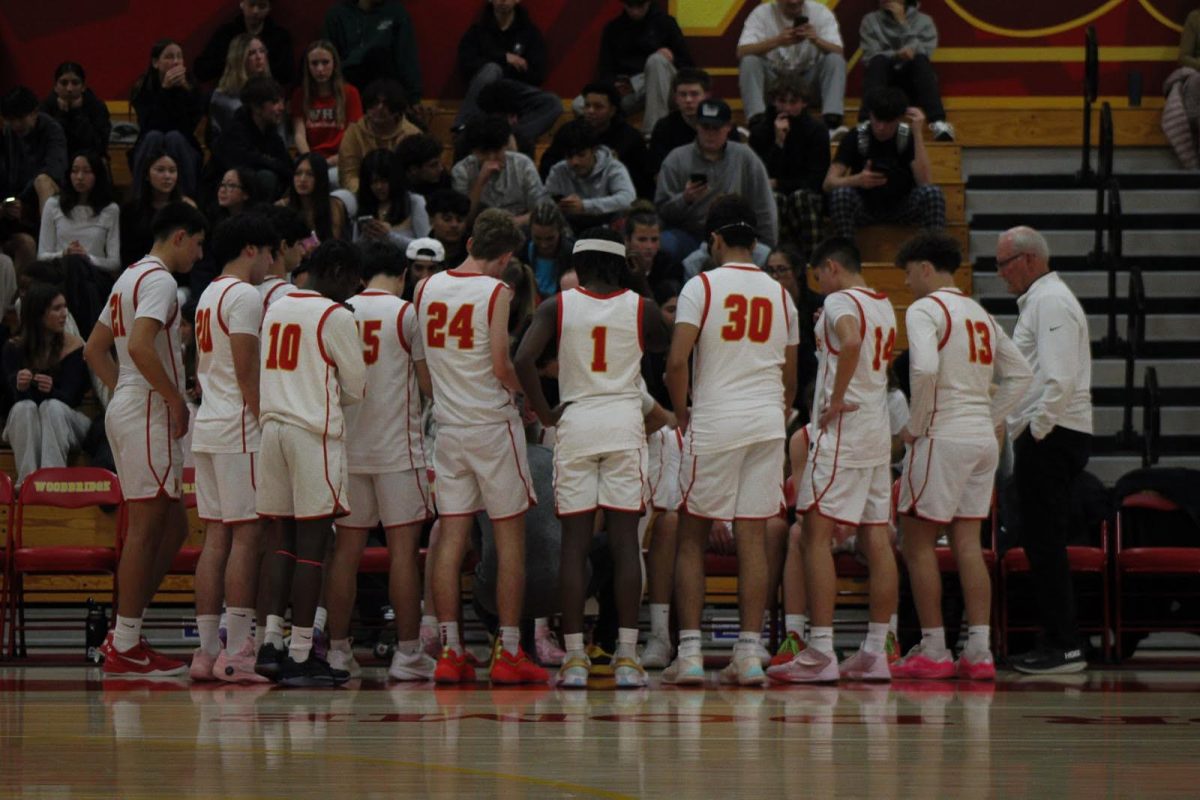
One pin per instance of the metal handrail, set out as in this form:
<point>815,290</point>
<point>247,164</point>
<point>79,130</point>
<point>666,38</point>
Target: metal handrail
<point>1151,417</point>
<point>1103,179</point>
<point>1091,86</point>
<point>1114,260</point>
<point>1136,336</point>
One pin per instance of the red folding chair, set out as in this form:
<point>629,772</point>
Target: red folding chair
<point>1138,565</point>
<point>65,488</point>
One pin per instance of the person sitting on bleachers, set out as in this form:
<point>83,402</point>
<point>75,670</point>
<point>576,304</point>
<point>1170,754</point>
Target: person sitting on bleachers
<point>35,148</point>
<point>695,175</point>
<point>882,171</point>
<point>689,89</point>
<point>253,141</point>
<point>254,20</point>
<point>794,147</point>
<point>45,377</point>
<point>387,210</point>
<point>640,52</point>
<point>309,193</point>
<point>83,220</point>
<point>448,212</point>
<point>602,112</point>
<point>495,177</point>
<point>168,107</point>
<point>324,105</point>
<point>898,41</point>
<point>156,185</point>
<point>376,41</point>
<point>247,59</point>
<point>83,116</point>
<point>548,251</point>
<point>421,165</point>
<point>383,126</point>
<point>590,185</point>
<point>643,245</point>
<point>505,45</point>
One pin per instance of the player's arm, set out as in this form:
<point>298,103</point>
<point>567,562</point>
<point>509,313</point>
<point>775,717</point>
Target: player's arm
<point>789,376</point>
<point>424,380</point>
<point>656,332</point>
<point>410,336</point>
<point>144,356</point>
<point>850,342</point>
<point>682,342</point>
<point>98,355</point>
<point>502,366</point>
<point>798,452</point>
<point>339,335</point>
<point>921,322</point>
<point>244,347</point>
<point>1011,374</point>
<point>658,417</point>
<point>533,345</point>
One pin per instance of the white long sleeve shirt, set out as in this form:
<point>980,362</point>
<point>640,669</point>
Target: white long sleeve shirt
<point>1052,334</point>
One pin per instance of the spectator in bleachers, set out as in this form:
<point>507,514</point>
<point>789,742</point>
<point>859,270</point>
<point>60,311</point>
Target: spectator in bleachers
<point>309,193</point>
<point>247,59</point>
<point>35,149</point>
<point>46,378</point>
<point>793,36</point>
<point>503,98</point>
<point>640,52</point>
<point>695,175</point>
<point>420,159</point>
<point>376,41</point>
<point>253,141</point>
<point>425,257</point>
<point>448,213</point>
<point>898,41</point>
<point>154,187</point>
<point>495,177</point>
<point>235,194</point>
<point>794,147</point>
<point>548,250</point>
<point>689,89</point>
<point>83,116</point>
<point>590,186</point>
<point>323,105</point>
<point>387,210</point>
<point>256,21</point>
<point>383,126</point>
<point>643,244</point>
<point>83,220</point>
<point>168,107</point>
<point>882,171</point>
<point>505,45</point>
<point>1181,112</point>
<point>602,112</point>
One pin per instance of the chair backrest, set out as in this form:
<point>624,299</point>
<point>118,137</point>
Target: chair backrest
<point>189,487</point>
<point>71,487</point>
<point>1148,519</point>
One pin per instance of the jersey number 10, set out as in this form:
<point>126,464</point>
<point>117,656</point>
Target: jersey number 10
<point>285,347</point>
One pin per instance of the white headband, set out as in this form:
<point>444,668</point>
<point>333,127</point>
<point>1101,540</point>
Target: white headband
<point>599,246</point>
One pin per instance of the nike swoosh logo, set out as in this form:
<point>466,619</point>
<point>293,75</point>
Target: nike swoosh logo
<point>1055,328</point>
<point>141,662</point>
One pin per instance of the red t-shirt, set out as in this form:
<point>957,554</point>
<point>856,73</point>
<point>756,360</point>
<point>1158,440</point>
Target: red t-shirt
<point>320,123</point>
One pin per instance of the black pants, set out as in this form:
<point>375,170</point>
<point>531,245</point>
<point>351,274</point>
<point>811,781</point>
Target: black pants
<point>1044,472</point>
<point>915,77</point>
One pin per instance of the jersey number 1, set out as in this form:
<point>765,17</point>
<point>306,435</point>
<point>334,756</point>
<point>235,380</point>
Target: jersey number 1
<point>285,347</point>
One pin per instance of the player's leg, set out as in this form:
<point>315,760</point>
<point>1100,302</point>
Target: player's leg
<point>444,568</point>
<point>169,538</point>
<point>302,667</point>
<point>431,639</point>
<point>928,659</point>
<point>795,600</point>
<point>573,585</point>
<point>237,661</point>
<point>210,593</point>
<point>870,662</point>
<point>410,662</point>
<point>775,544</point>
<point>341,589</point>
<point>753,575</point>
<point>627,589</point>
<point>976,660</point>
<point>688,666</point>
<point>660,577</point>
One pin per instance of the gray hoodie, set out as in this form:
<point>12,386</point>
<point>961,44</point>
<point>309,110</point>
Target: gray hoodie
<point>606,192</point>
<point>881,35</point>
<point>738,171</point>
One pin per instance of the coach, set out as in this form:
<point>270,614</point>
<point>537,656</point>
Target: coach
<point>1051,431</point>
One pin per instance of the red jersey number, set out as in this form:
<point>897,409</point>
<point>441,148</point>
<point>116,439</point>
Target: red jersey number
<point>461,327</point>
<point>981,353</point>
<point>284,352</point>
<point>116,315</point>
<point>885,344</point>
<point>748,319</point>
<point>204,330</point>
<point>370,335</point>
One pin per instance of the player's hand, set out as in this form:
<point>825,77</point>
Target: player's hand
<point>694,192</point>
<point>571,204</point>
<point>916,118</point>
<point>682,418</point>
<point>783,125</point>
<point>44,382</point>
<point>720,539</point>
<point>551,419</point>
<point>833,411</point>
<point>24,378</point>
<point>906,436</point>
<point>178,411</point>
<point>489,170</point>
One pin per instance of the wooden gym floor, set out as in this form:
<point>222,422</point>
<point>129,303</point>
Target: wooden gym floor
<point>66,733</point>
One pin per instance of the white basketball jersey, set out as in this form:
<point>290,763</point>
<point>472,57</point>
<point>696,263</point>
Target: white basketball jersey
<point>950,333</point>
<point>146,289</point>
<point>383,432</point>
<point>224,424</point>
<point>599,372</point>
<point>454,310</point>
<point>860,438</point>
<point>272,288</point>
<point>746,321</point>
<point>311,363</point>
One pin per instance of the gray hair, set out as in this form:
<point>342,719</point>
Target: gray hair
<point>1026,240</point>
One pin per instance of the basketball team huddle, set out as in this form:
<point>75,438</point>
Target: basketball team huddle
<point>312,417</point>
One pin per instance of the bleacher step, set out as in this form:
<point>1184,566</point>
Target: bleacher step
<point>1181,373</point>
<point>1079,201</point>
<point>1176,420</point>
<point>985,263</point>
<point>1174,328</point>
<point>1135,244</point>
<point>1110,467</point>
<point>1163,180</point>
<point>1086,221</point>
<point>1095,284</point>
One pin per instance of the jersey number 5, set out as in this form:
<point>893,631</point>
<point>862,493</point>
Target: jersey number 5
<point>462,326</point>
<point>748,319</point>
<point>285,347</point>
<point>370,336</point>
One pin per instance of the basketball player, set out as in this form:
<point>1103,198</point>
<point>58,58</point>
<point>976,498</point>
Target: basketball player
<point>145,420</point>
<point>665,448</point>
<point>795,601</point>
<point>850,479</point>
<point>743,327</point>
<point>600,449</point>
<point>225,446</point>
<point>479,456</point>
<point>386,459</point>
<point>956,352</point>
<point>311,365</point>
<point>289,226</point>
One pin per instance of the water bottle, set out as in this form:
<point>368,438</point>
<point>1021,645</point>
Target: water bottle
<point>95,629</point>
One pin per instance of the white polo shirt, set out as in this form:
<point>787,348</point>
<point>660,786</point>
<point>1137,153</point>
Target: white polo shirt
<point>767,22</point>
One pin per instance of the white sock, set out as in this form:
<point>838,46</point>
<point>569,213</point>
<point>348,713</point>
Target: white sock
<point>320,618</point>
<point>979,640</point>
<point>573,644</point>
<point>510,639</point>
<point>428,621</point>
<point>660,621</point>
<point>627,643</point>
<point>541,626</point>
<point>449,633</point>
<point>237,631</point>
<point>341,645</point>
<point>747,644</point>
<point>127,633</point>
<point>301,646</point>
<point>933,642</point>
<point>689,644</point>
<point>795,623</point>
<point>210,637</point>
<point>274,634</point>
<point>410,648</point>
<point>821,639</point>
<point>894,625</point>
<point>876,637</point>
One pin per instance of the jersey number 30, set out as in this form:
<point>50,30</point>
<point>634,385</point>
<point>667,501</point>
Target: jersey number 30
<point>748,319</point>
<point>462,326</point>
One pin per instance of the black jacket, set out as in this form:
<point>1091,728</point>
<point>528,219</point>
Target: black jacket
<point>803,160</point>
<point>43,151</point>
<point>174,109</point>
<point>210,64</point>
<point>87,127</point>
<point>245,144</point>
<point>628,146</point>
<point>484,43</point>
<point>627,43</point>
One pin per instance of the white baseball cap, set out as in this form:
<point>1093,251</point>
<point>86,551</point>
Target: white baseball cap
<point>426,249</point>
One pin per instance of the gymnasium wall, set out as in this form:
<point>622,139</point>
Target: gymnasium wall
<point>989,48</point>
